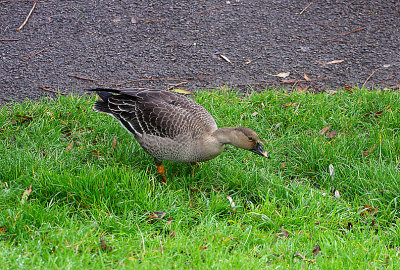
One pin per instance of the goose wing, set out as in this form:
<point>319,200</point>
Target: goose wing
<point>159,113</point>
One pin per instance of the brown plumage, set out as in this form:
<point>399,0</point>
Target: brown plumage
<point>170,126</point>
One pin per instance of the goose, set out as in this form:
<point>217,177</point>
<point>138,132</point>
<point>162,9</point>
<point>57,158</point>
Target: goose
<point>170,126</point>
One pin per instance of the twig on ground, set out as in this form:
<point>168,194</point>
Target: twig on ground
<point>304,9</point>
<point>369,77</point>
<point>9,39</point>
<point>47,89</point>
<point>323,29</point>
<point>32,55</point>
<point>175,85</point>
<point>27,17</point>
<point>207,73</point>
<point>82,78</point>
<point>347,33</point>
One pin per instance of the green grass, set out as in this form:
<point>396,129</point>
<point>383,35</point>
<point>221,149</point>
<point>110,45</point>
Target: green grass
<point>84,188</point>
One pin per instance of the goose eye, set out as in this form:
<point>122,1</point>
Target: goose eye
<point>250,138</point>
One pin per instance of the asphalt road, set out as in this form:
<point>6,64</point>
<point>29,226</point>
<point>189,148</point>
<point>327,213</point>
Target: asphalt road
<point>71,45</point>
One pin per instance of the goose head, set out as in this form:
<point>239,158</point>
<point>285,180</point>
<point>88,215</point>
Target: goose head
<point>242,137</point>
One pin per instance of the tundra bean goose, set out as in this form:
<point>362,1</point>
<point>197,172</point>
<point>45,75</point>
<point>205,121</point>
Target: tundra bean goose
<point>170,126</point>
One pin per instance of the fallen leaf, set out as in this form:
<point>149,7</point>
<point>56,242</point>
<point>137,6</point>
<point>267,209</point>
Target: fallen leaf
<point>26,194</point>
<point>368,209</point>
<point>224,241</point>
<point>70,145</point>
<point>369,151</point>
<point>298,254</point>
<point>254,114</point>
<point>332,92</point>
<point>307,78</point>
<point>116,20</point>
<point>289,104</point>
<point>182,91</point>
<point>156,215</point>
<point>280,75</point>
<point>348,89</point>
<point>224,57</point>
<point>301,89</point>
<point>316,249</point>
<point>169,222</point>
<point>248,62</point>
<point>332,62</point>
<point>283,232</point>
<point>283,165</point>
<point>290,81</point>
<point>104,246</point>
<point>133,20</point>
<point>332,134</point>
<point>324,130</point>
<point>337,194</point>
<point>171,235</point>
<point>331,170</point>
<point>114,141</point>
<point>231,202</point>
<point>278,125</point>
<point>22,119</point>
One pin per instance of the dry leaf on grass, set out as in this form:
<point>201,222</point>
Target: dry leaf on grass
<point>104,246</point>
<point>302,89</point>
<point>283,232</point>
<point>298,254</point>
<point>332,134</point>
<point>114,141</point>
<point>307,78</point>
<point>368,209</point>
<point>324,130</point>
<point>231,202</point>
<point>369,151</point>
<point>316,249</point>
<point>289,104</point>
<point>337,194</point>
<point>332,92</point>
<point>70,145</point>
<point>26,194</point>
<point>21,119</point>
<point>156,215</point>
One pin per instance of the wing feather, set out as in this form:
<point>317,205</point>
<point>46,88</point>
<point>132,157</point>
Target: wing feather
<point>159,113</point>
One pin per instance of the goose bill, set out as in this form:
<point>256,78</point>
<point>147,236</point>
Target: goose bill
<point>259,149</point>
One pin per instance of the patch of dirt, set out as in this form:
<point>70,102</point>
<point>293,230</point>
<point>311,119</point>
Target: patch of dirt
<point>73,45</point>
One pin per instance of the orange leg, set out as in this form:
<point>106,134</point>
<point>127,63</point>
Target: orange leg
<point>160,169</point>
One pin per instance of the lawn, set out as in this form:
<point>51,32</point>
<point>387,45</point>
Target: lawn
<point>78,192</point>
